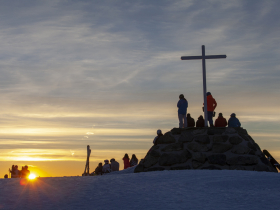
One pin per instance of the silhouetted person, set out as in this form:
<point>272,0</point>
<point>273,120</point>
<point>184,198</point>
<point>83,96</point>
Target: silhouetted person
<point>15,173</point>
<point>233,121</point>
<point>159,134</point>
<point>24,172</point>
<point>98,170</point>
<point>211,106</point>
<point>6,176</point>
<point>220,121</point>
<point>115,166</point>
<point>126,161</point>
<point>182,111</point>
<point>200,122</point>
<point>190,121</point>
<point>133,161</point>
<point>106,167</point>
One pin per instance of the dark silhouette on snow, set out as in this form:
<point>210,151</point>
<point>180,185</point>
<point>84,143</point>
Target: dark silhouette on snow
<point>115,166</point>
<point>126,161</point>
<point>98,170</point>
<point>133,161</point>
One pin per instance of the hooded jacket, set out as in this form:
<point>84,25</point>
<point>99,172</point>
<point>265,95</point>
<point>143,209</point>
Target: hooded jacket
<point>200,122</point>
<point>190,121</point>
<point>182,106</point>
<point>221,122</point>
<point>211,103</point>
<point>233,122</point>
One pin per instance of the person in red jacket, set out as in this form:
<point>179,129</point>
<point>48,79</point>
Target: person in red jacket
<point>126,161</point>
<point>221,121</point>
<point>211,106</point>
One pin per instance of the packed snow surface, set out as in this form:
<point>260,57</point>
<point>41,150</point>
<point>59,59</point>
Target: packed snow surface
<point>186,189</point>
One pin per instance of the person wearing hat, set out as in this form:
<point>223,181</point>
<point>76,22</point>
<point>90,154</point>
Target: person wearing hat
<point>220,121</point>
<point>106,167</point>
<point>233,121</point>
<point>159,134</point>
<point>211,106</point>
<point>115,166</point>
<point>200,122</point>
<point>182,111</point>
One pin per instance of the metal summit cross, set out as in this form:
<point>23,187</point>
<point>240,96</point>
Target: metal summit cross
<point>203,57</point>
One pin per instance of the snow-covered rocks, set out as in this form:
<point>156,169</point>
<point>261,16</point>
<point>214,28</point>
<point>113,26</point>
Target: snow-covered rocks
<point>205,148</point>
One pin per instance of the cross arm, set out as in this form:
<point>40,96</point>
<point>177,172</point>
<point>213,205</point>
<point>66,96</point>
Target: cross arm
<point>200,57</point>
<point>215,56</point>
<point>191,57</point>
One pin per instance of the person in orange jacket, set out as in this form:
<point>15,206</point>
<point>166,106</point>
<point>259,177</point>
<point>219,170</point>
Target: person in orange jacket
<point>221,121</point>
<point>211,106</point>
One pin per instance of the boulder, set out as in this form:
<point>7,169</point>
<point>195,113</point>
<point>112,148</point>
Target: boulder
<point>215,131</point>
<point>196,164</point>
<point>186,136</point>
<point>202,139</point>
<point>239,149</point>
<point>173,147</point>
<point>243,160</point>
<point>150,161</point>
<point>230,131</point>
<point>235,140</point>
<point>220,138</point>
<point>199,131</point>
<point>219,159</point>
<point>169,159</point>
<point>199,157</point>
<point>221,147</point>
<point>166,139</point>
<point>195,147</point>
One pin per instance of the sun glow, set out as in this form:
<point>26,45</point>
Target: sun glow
<point>32,176</point>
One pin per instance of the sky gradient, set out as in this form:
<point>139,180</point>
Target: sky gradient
<point>108,74</point>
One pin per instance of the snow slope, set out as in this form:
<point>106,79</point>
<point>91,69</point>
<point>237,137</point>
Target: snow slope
<point>187,189</point>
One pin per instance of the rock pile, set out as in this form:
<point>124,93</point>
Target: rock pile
<point>205,148</point>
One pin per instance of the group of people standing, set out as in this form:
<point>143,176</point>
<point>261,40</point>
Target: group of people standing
<point>23,173</point>
<point>185,120</point>
<point>114,165</point>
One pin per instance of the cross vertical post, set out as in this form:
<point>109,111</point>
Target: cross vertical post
<point>203,57</point>
<point>204,85</point>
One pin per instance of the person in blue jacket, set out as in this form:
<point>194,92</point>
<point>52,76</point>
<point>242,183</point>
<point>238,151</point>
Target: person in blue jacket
<point>233,121</point>
<point>182,111</point>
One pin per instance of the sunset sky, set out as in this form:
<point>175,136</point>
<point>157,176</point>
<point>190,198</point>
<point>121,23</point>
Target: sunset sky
<point>108,74</point>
